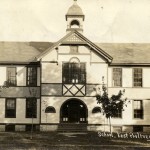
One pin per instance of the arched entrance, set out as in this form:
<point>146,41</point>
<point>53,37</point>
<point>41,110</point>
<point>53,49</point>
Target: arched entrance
<point>73,111</point>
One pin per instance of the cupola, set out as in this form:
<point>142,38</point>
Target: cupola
<point>75,18</point>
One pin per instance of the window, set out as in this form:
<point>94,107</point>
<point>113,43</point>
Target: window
<point>31,108</point>
<point>137,128</point>
<point>31,76</point>
<point>74,73</point>
<point>10,127</point>
<point>74,24</point>
<point>137,77</point>
<point>117,77</point>
<point>118,113</point>
<point>138,109</point>
<point>50,109</point>
<point>96,110</point>
<point>35,127</point>
<point>10,108</point>
<point>11,76</point>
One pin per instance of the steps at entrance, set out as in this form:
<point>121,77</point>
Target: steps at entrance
<point>66,127</point>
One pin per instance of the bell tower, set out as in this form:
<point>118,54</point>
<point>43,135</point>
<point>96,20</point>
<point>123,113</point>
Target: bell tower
<point>75,18</point>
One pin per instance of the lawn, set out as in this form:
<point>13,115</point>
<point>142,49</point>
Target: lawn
<point>69,141</point>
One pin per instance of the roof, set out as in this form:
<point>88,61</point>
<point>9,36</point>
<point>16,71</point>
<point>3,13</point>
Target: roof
<point>41,46</point>
<point>21,51</point>
<point>122,53</point>
<point>74,37</point>
<point>127,53</point>
<point>75,10</point>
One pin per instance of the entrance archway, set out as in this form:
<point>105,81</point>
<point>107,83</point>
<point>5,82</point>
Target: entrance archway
<point>73,111</point>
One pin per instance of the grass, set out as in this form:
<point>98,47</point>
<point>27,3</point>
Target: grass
<point>68,141</point>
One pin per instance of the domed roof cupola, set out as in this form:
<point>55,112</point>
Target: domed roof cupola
<point>75,18</point>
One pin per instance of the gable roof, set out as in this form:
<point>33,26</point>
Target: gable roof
<point>80,39</point>
<point>20,52</point>
<point>127,53</point>
<point>122,53</point>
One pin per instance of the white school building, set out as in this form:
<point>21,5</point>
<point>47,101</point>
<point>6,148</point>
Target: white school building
<point>51,84</point>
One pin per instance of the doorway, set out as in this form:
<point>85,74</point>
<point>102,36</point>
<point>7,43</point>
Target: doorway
<point>73,111</point>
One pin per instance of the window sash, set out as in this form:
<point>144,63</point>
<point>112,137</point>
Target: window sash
<point>31,76</point>
<point>137,77</point>
<point>31,108</point>
<point>117,77</point>
<point>11,76</point>
<point>10,109</point>
<point>74,73</point>
<point>137,104</point>
<point>118,114</point>
<point>138,113</point>
<point>138,109</point>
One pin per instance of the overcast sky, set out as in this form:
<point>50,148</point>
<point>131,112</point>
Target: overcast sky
<point>105,20</point>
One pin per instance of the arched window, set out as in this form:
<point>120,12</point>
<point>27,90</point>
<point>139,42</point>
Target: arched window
<point>50,109</point>
<point>74,72</point>
<point>96,110</point>
<point>74,24</point>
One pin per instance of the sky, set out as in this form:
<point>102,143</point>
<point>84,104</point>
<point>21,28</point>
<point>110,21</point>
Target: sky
<point>106,21</point>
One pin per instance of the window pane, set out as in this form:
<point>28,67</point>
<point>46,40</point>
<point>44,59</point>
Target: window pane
<point>10,110</point>
<point>31,108</point>
<point>137,77</point>
<point>32,76</point>
<point>118,114</point>
<point>138,109</point>
<point>11,76</point>
<point>117,76</point>
<point>137,104</point>
<point>10,104</point>
<point>74,73</point>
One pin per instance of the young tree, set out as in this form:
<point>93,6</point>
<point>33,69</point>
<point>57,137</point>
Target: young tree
<point>111,105</point>
<point>4,86</point>
<point>33,93</point>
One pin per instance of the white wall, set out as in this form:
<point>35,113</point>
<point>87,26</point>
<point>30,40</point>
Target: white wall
<point>20,112</point>
<point>57,102</point>
<point>2,75</point>
<point>96,67</point>
<point>95,72</point>
<point>127,77</point>
<point>146,77</point>
<point>21,76</point>
<point>127,115</point>
<point>51,73</point>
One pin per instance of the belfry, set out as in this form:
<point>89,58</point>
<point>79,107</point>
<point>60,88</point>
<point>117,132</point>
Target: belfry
<point>75,18</point>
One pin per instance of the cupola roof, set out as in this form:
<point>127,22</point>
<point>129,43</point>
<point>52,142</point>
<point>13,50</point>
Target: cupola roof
<point>75,10</point>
